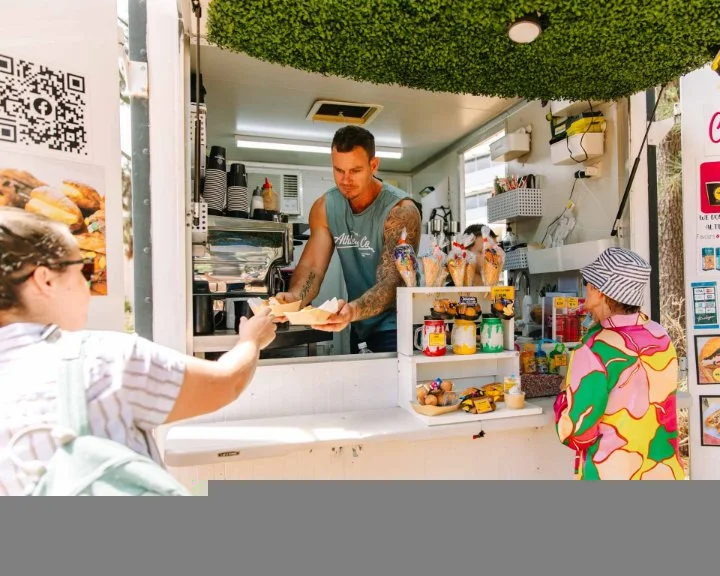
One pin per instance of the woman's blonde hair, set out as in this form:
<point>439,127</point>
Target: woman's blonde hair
<point>26,240</point>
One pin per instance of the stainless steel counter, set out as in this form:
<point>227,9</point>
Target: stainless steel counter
<point>224,340</point>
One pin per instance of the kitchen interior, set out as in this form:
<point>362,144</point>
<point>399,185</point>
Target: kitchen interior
<point>466,159</point>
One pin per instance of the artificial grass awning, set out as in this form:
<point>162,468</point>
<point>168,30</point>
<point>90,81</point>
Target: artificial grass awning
<point>602,50</point>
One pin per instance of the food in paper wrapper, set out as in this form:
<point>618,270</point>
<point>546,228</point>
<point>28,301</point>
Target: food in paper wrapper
<point>257,305</point>
<point>310,316</point>
<point>496,391</point>
<point>405,261</point>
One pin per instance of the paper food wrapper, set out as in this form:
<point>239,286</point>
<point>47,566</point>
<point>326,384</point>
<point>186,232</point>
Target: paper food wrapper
<point>310,316</point>
<point>257,305</point>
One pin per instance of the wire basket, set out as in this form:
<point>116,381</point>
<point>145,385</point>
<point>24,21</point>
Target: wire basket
<point>517,259</point>
<point>518,203</point>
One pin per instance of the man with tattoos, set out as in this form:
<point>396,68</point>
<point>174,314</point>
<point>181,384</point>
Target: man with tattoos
<point>362,218</point>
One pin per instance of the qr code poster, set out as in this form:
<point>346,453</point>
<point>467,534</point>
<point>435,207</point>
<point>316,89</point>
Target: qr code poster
<point>65,191</point>
<point>43,107</point>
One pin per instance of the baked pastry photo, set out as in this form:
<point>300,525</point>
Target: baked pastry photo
<point>53,204</point>
<point>73,203</point>
<point>86,197</point>
<point>15,187</point>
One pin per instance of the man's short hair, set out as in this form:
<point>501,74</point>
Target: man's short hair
<point>349,137</point>
<point>476,230</point>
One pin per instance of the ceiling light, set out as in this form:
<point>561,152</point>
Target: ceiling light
<point>525,30</point>
<point>303,146</point>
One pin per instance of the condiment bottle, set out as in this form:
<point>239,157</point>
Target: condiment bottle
<point>257,200</point>
<point>270,199</point>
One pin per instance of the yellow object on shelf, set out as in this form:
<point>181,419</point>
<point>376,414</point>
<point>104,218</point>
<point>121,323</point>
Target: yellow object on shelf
<point>584,125</point>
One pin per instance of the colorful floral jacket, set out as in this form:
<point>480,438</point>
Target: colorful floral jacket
<point>618,408</point>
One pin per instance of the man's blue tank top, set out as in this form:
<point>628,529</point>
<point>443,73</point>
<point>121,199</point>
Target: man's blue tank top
<point>359,244</point>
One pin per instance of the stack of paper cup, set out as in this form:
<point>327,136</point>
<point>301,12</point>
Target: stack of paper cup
<point>238,197</point>
<point>215,191</point>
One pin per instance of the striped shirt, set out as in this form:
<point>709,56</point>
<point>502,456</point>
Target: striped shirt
<point>132,385</point>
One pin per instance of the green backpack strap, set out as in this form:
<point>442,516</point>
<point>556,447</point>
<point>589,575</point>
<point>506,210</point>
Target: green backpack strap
<point>72,399</point>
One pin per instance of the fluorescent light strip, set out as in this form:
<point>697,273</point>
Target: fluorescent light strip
<point>288,146</point>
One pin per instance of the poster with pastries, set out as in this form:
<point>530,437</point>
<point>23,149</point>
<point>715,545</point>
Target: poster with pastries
<point>708,358</point>
<point>67,192</point>
<point>710,420</point>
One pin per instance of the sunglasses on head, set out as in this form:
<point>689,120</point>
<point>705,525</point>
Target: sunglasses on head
<point>88,269</point>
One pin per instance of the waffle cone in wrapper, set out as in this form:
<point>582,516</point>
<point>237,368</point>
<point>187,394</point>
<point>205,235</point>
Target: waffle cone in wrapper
<point>433,265</point>
<point>405,261</point>
<point>493,259</point>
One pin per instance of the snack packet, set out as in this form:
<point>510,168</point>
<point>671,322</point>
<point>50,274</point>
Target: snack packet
<point>405,260</point>
<point>493,259</point>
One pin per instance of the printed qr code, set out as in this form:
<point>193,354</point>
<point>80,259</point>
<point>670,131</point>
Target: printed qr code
<point>42,107</point>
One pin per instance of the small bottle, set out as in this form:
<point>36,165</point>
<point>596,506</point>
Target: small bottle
<point>363,349</point>
<point>257,200</point>
<point>270,199</point>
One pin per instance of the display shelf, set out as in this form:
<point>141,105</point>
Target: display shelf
<point>566,258</point>
<point>445,290</point>
<point>461,417</point>
<point>515,204</point>
<point>419,358</point>
<point>578,149</point>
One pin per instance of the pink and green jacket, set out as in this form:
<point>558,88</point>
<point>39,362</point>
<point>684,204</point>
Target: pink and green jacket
<point>618,409</point>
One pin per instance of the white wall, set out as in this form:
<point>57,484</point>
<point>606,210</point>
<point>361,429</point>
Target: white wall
<point>597,200</point>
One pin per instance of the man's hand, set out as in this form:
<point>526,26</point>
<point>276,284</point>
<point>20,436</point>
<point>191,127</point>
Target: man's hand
<point>339,321</point>
<point>284,298</point>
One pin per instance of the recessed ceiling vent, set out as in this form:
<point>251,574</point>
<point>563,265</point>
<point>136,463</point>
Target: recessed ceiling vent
<point>343,112</point>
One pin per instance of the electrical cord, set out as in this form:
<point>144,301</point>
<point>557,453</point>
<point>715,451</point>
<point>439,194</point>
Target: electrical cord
<point>567,140</point>
<point>572,191</point>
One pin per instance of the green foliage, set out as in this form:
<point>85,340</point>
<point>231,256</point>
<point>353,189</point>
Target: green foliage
<point>589,49</point>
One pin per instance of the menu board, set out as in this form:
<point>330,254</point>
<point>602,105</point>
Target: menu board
<point>705,313</point>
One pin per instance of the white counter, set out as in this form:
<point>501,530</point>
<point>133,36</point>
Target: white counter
<point>221,442</point>
<point>341,420</point>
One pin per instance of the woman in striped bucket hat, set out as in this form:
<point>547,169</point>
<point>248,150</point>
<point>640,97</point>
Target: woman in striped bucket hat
<point>618,406</point>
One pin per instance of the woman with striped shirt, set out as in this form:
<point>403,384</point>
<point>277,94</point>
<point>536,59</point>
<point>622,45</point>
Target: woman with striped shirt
<point>134,385</point>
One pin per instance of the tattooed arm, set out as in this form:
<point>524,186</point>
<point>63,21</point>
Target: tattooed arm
<point>382,296</point>
<point>315,259</point>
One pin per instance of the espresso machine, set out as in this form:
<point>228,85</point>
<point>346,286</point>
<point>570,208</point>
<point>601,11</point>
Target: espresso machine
<point>234,259</point>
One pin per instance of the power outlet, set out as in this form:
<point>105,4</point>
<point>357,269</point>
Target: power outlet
<point>593,171</point>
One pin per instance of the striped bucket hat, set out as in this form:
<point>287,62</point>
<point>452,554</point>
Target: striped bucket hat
<point>620,274</point>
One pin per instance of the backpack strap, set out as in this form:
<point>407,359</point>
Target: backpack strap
<point>72,401</point>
